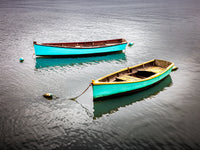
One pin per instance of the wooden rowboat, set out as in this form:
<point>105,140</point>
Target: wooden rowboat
<point>79,48</point>
<point>131,79</point>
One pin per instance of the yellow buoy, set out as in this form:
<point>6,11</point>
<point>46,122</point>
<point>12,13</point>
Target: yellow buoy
<point>49,96</point>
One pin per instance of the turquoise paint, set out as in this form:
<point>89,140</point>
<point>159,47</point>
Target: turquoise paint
<point>41,50</point>
<point>112,89</point>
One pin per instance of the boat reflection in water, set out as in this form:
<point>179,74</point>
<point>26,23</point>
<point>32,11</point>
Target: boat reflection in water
<point>43,62</point>
<point>111,105</point>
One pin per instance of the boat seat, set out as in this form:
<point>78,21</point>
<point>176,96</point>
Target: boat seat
<point>154,69</point>
<point>127,78</point>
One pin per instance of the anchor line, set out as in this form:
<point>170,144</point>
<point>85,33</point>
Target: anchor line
<point>82,92</point>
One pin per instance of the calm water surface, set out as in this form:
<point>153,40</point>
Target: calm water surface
<point>163,117</point>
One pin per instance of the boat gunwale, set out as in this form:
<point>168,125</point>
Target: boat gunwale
<point>102,46</point>
<point>96,82</point>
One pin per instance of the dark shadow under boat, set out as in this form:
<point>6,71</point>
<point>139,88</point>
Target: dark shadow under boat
<point>43,62</point>
<point>111,105</point>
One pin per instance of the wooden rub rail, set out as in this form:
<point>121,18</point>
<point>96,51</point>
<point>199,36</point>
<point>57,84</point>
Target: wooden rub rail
<point>87,44</point>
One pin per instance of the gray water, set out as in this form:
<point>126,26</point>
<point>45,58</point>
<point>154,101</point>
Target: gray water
<point>163,117</point>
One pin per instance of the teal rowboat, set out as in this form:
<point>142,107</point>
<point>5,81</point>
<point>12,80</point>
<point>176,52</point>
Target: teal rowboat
<point>131,79</point>
<point>79,48</point>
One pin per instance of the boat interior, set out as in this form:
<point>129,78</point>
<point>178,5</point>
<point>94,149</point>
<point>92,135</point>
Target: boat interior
<point>91,44</point>
<point>138,72</point>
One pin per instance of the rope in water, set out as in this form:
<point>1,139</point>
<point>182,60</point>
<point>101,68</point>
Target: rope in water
<point>86,110</point>
<point>81,93</point>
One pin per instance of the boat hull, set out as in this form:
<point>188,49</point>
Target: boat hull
<point>107,90</point>
<point>42,50</point>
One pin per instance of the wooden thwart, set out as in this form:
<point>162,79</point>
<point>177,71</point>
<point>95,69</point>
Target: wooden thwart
<point>154,69</point>
<point>127,78</point>
<point>130,76</point>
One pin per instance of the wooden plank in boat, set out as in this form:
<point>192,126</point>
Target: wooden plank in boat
<point>154,69</point>
<point>128,78</point>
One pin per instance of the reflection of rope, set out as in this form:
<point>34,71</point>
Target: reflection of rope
<point>81,93</point>
<point>86,110</point>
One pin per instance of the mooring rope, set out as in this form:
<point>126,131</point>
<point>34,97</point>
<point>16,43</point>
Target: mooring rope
<point>86,110</point>
<point>81,93</point>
